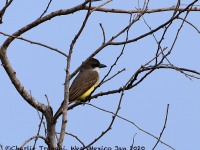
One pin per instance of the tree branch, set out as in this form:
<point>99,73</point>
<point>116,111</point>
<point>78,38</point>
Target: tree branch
<point>112,10</point>
<point>76,138</point>
<point>37,43</point>
<point>132,123</point>
<point>3,10</point>
<point>18,85</point>
<point>34,137</point>
<point>46,9</point>
<point>163,128</point>
<point>156,29</point>
<point>42,20</point>
<point>67,79</point>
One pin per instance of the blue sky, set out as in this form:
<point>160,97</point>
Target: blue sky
<point>42,72</point>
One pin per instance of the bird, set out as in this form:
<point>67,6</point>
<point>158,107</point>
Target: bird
<point>85,82</point>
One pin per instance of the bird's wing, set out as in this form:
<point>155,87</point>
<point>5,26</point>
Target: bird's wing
<point>79,87</point>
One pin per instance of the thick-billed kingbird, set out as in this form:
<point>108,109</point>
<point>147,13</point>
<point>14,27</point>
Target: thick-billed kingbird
<point>85,82</point>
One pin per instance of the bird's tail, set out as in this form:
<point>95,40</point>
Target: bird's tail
<point>60,110</point>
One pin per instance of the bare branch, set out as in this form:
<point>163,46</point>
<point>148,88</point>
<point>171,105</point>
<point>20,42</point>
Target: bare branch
<point>34,137</point>
<point>67,79</point>
<point>46,9</point>
<point>3,10</point>
<point>121,53</point>
<point>111,10</point>
<point>41,118</point>
<point>109,42</point>
<point>159,47</point>
<point>190,24</point>
<point>37,43</point>
<point>111,123</point>
<point>92,10</point>
<point>39,127</point>
<point>113,75</point>
<point>42,20</point>
<point>104,37</point>
<point>18,85</point>
<point>156,29</point>
<point>177,34</point>
<point>47,100</point>
<point>177,7</point>
<point>180,69</point>
<point>163,128</point>
<point>133,141</point>
<point>175,39</point>
<point>132,123</point>
<point>76,138</point>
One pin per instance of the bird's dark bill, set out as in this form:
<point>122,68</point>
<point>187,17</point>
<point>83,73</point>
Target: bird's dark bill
<point>102,66</point>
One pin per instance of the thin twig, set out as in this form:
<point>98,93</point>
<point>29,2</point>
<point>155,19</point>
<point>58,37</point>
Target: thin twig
<point>3,10</point>
<point>121,53</point>
<point>46,9</point>
<point>111,10</point>
<point>111,123</point>
<point>131,122</point>
<point>104,36</point>
<point>41,118</point>
<point>37,43</point>
<point>131,148</point>
<point>156,29</point>
<point>42,20</point>
<point>179,69</point>
<point>33,137</point>
<point>76,138</point>
<point>163,128</point>
<point>109,42</point>
<point>190,24</point>
<point>177,34</point>
<point>47,100</point>
<point>39,127</point>
<point>176,8</point>
<point>175,39</point>
<point>159,47</point>
<point>92,10</point>
<point>113,75</point>
<point>159,44</point>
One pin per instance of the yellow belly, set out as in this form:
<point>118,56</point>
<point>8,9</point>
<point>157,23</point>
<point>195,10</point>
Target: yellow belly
<point>86,94</point>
